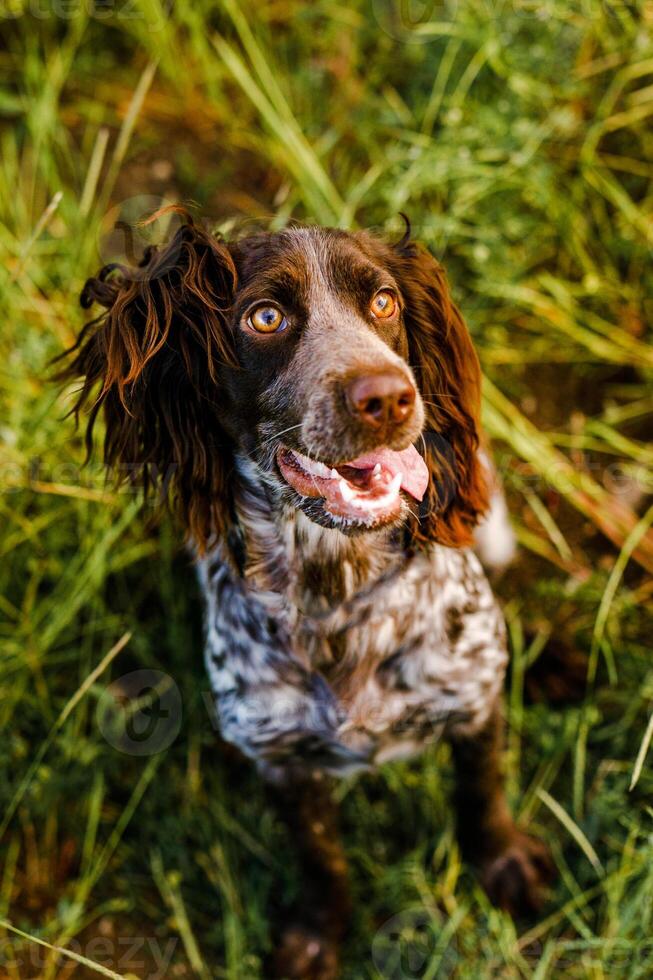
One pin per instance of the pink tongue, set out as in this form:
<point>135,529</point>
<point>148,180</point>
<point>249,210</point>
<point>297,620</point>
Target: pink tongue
<point>413,469</point>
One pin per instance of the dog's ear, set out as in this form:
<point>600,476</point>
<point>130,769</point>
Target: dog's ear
<point>445,364</point>
<point>150,363</point>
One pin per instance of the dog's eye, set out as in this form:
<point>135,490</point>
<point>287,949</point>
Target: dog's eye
<point>383,305</point>
<point>267,319</point>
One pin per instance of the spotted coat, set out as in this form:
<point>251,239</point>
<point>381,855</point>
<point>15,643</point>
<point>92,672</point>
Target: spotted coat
<point>338,653</point>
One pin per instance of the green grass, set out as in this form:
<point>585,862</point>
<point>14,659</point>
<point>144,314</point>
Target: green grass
<point>517,136</point>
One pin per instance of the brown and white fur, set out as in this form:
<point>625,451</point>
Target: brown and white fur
<point>348,622</point>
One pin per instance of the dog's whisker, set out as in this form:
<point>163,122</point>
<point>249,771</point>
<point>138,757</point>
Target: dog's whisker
<point>427,401</point>
<point>276,435</point>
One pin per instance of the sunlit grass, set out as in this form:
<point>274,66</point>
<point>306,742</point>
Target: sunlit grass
<point>518,139</point>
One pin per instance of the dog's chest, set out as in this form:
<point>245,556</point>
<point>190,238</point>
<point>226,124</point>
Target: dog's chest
<point>420,650</point>
<point>352,661</point>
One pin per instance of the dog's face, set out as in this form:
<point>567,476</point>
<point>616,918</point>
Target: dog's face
<point>323,398</point>
<point>333,361</point>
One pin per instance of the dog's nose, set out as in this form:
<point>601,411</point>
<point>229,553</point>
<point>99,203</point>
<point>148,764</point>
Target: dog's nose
<point>381,399</point>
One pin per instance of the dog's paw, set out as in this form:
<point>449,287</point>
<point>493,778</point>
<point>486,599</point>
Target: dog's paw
<point>558,676</point>
<point>515,879</point>
<point>304,954</point>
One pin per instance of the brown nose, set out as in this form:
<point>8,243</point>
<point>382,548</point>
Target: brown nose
<point>381,399</point>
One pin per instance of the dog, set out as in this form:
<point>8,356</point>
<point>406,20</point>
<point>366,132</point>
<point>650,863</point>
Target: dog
<point>308,401</point>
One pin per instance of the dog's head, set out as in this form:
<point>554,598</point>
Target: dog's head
<point>334,362</point>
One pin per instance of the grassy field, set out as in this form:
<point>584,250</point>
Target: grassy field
<point>517,136</point>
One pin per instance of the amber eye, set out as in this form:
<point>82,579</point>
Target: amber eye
<point>267,319</point>
<point>383,305</point>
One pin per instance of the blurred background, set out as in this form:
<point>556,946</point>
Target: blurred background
<point>517,137</point>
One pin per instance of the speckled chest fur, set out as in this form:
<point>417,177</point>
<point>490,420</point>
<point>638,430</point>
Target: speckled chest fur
<point>338,653</point>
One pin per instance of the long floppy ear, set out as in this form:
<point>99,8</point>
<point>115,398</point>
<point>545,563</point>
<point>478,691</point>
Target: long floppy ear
<point>446,367</point>
<point>150,361</point>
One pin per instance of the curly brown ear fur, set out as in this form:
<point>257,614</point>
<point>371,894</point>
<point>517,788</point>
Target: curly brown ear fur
<point>152,358</point>
<point>446,367</point>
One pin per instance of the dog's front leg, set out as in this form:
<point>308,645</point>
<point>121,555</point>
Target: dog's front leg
<point>513,865</point>
<point>309,939</point>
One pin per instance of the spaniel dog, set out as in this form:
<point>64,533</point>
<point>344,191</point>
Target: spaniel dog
<point>309,401</point>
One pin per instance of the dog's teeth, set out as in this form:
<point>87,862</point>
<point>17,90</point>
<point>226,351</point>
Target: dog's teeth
<point>320,469</point>
<point>377,469</point>
<point>335,475</point>
<point>347,493</point>
<point>313,466</point>
<point>395,484</point>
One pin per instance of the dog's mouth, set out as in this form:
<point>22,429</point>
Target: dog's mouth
<point>365,490</point>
